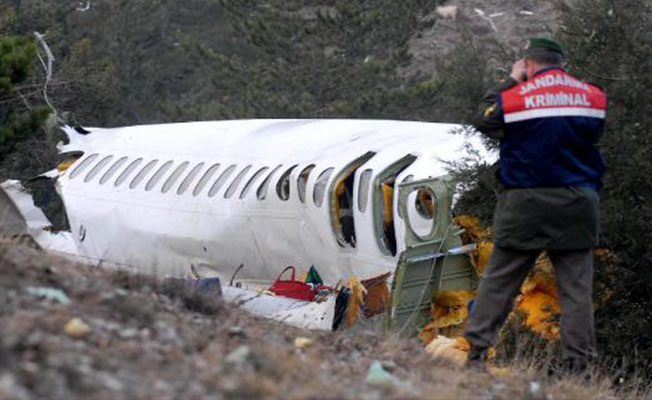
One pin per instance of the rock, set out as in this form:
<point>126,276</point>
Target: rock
<point>497,390</point>
<point>10,389</point>
<point>237,331</point>
<point>447,12</point>
<point>389,365</point>
<point>535,388</point>
<point>240,357</point>
<point>109,381</point>
<point>129,333</point>
<point>302,342</point>
<point>76,328</point>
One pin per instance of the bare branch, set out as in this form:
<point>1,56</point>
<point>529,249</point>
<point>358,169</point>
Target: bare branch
<point>593,74</point>
<point>25,102</point>
<point>48,69</point>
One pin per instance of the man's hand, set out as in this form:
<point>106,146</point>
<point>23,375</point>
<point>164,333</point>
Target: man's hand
<point>518,71</point>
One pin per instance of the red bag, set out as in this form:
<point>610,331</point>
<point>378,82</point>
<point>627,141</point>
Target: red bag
<point>293,289</point>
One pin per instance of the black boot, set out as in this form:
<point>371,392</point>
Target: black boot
<point>475,361</point>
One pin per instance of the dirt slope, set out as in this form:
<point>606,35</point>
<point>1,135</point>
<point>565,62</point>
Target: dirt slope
<point>151,339</point>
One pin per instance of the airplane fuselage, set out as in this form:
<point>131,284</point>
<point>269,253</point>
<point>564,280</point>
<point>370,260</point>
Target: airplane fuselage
<point>262,193</point>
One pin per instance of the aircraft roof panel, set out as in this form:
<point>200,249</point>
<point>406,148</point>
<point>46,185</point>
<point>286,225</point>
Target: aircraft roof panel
<point>272,141</point>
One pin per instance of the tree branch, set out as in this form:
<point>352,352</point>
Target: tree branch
<point>48,69</point>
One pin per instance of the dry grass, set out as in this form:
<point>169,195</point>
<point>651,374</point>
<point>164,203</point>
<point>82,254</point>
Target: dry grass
<point>153,339</point>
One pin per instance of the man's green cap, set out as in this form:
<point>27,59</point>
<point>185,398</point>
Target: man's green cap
<point>538,44</point>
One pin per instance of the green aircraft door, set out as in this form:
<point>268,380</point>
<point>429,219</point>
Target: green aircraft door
<point>434,259</point>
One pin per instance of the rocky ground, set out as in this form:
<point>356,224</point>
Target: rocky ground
<point>72,331</point>
<point>503,26</point>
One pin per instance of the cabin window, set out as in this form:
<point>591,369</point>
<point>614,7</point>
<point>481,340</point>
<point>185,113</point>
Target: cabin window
<point>154,180</point>
<point>125,174</point>
<point>363,190</point>
<point>220,180</point>
<point>302,182</point>
<point>236,182</point>
<point>261,193</point>
<point>191,177</point>
<point>141,175</point>
<point>320,186</point>
<point>112,170</point>
<point>205,178</point>
<point>425,204</point>
<point>174,177</point>
<point>252,180</point>
<point>384,187</point>
<point>421,209</point>
<point>97,168</point>
<point>341,202</point>
<point>283,184</point>
<point>83,165</point>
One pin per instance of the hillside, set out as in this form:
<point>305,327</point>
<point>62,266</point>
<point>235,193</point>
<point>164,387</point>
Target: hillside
<point>142,338</point>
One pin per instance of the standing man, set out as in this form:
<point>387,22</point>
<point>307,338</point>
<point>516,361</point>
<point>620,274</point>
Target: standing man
<point>548,124</point>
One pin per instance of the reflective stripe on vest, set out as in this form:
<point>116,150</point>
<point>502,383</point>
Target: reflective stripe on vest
<point>553,93</point>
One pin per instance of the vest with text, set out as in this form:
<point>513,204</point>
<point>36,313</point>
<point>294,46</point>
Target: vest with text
<point>552,125</point>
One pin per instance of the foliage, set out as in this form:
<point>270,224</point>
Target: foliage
<point>611,45</point>
<point>18,120</point>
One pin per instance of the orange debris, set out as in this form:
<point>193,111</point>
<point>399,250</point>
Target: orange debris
<point>538,299</point>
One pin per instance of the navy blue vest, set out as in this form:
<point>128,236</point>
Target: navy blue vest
<point>552,125</point>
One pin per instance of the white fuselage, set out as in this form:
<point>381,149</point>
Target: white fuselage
<point>166,212</point>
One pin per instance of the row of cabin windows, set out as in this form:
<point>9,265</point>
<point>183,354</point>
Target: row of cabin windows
<point>282,186</point>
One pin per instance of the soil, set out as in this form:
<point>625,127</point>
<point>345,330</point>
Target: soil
<point>140,337</point>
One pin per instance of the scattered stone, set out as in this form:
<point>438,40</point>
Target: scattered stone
<point>109,381</point>
<point>447,12</point>
<point>237,331</point>
<point>129,333</point>
<point>76,328</point>
<point>535,388</point>
<point>302,342</point>
<point>10,389</point>
<point>497,390</point>
<point>389,365</point>
<point>240,357</point>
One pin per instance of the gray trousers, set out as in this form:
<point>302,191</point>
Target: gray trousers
<point>507,270</point>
